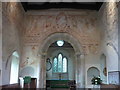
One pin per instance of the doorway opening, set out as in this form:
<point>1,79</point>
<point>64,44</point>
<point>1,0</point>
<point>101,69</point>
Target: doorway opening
<point>60,64</point>
<point>49,50</point>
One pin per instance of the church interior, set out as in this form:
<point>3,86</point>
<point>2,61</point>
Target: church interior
<point>59,45</point>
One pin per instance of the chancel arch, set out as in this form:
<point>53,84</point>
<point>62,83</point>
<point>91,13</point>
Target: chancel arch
<point>60,36</point>
<point>79,57</point>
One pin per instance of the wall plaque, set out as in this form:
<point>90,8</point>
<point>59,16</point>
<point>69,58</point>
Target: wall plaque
<point>114,77</point>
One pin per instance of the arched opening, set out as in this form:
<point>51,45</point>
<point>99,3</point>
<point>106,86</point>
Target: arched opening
<point>103,68</point>
<point>92,71</point>
<point>14,71</point>
<point>63,62</point>
<point>79,71</point>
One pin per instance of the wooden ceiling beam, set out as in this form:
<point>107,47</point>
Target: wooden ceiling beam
<point>69,5</point>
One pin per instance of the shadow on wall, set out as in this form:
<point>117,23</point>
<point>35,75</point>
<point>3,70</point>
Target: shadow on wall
<point>27,71</point>
<point>103,67</point>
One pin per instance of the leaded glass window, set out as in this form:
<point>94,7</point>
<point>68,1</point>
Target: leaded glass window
<point>55,64</point>
<point>60,64</point>
<point>64,64</point>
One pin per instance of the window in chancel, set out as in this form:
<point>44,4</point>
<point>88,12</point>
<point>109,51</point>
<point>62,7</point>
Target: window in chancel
<point>60,64</point>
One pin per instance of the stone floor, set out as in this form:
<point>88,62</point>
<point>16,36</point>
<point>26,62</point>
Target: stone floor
<point>58,89</point>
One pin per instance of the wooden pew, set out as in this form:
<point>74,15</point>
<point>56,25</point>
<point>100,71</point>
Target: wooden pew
<point>10,86</point>
<point>17,85</point>
<point>109,87</point>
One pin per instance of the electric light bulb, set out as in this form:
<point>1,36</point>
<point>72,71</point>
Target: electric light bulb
<point>60,43</point>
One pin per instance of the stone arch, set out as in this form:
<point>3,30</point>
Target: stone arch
<point>60,36</point>
<point>94,68</point>
<point>92,71</point>
<point>8,58</point>
<point>80,64</point>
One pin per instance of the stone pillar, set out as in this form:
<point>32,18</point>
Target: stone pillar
<point>0,43</point>
<point>42,81</point>
<point>77,74</point>
<point>80,71</point>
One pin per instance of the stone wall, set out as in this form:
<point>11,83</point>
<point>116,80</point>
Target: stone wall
<point>26,32</point>
<point>40,25</point>
<point>108,23</point>
<point>119,33</point>
<point>12,23</point>
<point>0,43</point>
<point>79,24</point>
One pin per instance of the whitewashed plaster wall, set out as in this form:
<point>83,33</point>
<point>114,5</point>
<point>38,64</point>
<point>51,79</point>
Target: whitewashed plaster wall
<point>39,27</point>
<point>81,24</point>
<point>108,24</point>
<point>119,33</point>
<point>30,65</point>
<point>67,52</point>
<point>91,60</point>
<point>12,26</point>
<point>0,43</point>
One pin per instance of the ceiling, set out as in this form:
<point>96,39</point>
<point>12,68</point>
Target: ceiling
<point>58,5</point>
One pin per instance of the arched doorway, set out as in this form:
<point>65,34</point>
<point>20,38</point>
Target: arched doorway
<point>60,64</point>
<point>79,58</point>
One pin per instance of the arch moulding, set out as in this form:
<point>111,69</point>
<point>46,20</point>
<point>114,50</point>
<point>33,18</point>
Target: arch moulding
<point>43,48</point>
<point>60,36</point>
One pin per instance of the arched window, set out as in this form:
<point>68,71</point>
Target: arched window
<point>14,68</point>
<point>60,64</point>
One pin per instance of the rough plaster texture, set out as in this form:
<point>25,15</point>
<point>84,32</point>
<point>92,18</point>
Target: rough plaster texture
<point>27,31</point>
<point>76,23</point>
<point>119,33</point>
<point>12,18</point>
<point>108,23</point>
<point>80,24</point>
<point>0,43</point>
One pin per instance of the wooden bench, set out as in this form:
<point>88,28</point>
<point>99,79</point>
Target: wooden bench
<point>10,86</point>
<point>110,87</point>
<point>16,86</point>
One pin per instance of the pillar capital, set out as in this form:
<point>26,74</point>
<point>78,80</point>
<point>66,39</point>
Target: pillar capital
<point>42,55</point>
<point>79,55</point>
